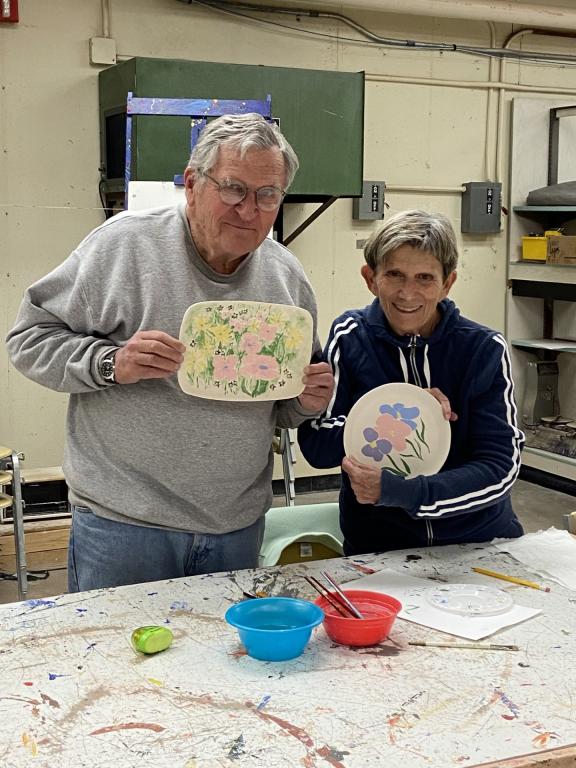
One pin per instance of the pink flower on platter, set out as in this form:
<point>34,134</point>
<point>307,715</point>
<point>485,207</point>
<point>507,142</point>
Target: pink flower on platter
<point>251,343</point>
<point>267,331</point>
<point>238,323</point>
<point>225,367</point>
<point>260,367</point>
<point>394,430</point>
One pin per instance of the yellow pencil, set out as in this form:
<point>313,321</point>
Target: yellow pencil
<point>513,579</point>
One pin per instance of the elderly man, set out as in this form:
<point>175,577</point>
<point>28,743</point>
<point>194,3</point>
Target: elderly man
<point>413,333</point>
<point>163,484</point>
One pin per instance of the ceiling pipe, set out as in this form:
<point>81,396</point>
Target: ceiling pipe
<point>546,17</point>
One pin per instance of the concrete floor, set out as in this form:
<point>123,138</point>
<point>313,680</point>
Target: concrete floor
<point>537,507</point>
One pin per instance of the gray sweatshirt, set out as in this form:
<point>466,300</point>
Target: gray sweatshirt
<point>147,453</point>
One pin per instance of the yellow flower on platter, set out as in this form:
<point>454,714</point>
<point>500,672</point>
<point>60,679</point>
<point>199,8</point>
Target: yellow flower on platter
<point>196,361</point>
<point>222,334</point>
<point>293,338</point>
<point>277,317</point>
<point>200,323</point>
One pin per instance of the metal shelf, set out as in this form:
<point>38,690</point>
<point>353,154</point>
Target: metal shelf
<point>548,345</point>
<point>539,290</point>
<point>526,210</point>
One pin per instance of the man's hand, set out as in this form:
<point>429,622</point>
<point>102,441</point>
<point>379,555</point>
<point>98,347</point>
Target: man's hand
<point>148,355</point>
<point>318,387</point>
<point>447,411</point>
<point>365,481</point>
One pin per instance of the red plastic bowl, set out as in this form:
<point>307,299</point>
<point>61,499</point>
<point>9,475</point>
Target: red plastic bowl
<point>379,613</point>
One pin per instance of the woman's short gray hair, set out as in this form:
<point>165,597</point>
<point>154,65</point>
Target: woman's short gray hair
<point>430,232</point>
<point>241,132</point>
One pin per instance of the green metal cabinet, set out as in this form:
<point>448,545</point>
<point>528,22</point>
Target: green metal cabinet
<point>321,113</point>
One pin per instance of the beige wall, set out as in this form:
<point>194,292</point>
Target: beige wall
<point>425,135</point>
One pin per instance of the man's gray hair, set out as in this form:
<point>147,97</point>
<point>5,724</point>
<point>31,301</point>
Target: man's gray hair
<point>430,232</point>
<point>241,132</point>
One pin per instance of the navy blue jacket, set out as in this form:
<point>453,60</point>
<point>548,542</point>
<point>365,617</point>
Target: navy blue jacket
<point>469,499</point>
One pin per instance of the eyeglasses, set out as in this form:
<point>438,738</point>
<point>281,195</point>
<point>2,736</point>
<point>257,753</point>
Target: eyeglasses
<point>233,192</point>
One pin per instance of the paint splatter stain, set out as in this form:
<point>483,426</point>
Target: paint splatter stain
<point>48,700</point>
<point>508,703</point>
<point>263,703</point>
<point>28,683</point>
<point>293,730</point>
<point>363,568</point>
<point>128,727</point>
<point>237,748</point>
<point>39,603</point>
<point>53,675</point>
<point>543,739</point>
<point>332,755</point>
<point>153,680</point>
<point>30,744</point>
<point>179,605</point>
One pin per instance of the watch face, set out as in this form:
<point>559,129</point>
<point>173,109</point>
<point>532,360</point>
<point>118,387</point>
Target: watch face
<point>107,370</point>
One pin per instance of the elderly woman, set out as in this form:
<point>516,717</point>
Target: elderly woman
<point>413,333</point>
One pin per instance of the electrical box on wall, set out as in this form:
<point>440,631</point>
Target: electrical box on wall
<point>371,205</point>
<point>481,207</point>
<point>9,10</point>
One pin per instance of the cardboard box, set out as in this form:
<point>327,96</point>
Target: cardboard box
<point>561,250</point>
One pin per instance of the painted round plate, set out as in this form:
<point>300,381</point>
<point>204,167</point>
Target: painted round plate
<point>470,599</point>
<point>398,427</point>
<point>244,350</point>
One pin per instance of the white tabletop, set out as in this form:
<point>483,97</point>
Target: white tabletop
<point>74,694</point>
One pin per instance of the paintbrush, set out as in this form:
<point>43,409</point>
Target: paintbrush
<point>321,589</point>
<point>341,596</point>
<point>466,646</point>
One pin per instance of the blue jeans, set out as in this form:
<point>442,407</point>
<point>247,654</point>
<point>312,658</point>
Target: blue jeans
<point>105,553</point>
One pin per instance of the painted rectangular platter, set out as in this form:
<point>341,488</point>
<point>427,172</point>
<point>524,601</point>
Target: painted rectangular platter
<point>244,350</point>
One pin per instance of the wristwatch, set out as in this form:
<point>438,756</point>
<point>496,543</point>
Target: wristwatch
<point>107,366</point>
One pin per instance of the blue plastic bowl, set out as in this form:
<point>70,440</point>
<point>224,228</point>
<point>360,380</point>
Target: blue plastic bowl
<point>274,628</point>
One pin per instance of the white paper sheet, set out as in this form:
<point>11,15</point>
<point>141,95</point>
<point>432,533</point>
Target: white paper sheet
<point>550,553</point>
<point>411,592</point>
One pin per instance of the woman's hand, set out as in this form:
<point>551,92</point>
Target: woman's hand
<point>365,481</point>
<point>447,411</point>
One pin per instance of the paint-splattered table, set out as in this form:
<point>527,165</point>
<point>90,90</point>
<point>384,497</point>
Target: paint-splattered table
<point>74,694</point>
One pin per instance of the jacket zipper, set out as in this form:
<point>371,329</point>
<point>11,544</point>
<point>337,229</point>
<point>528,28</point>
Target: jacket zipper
<point>413,366</point>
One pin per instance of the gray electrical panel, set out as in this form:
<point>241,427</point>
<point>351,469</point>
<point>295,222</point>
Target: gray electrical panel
<point>481,207</point>
<point>371,204</point>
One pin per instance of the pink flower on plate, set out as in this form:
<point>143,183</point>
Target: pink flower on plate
<point>394,430</point>
<point>251,343</point>
<point>260,367</point>
<point>267,331</point>
<point>225,367</point>
<point>238,323</point>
